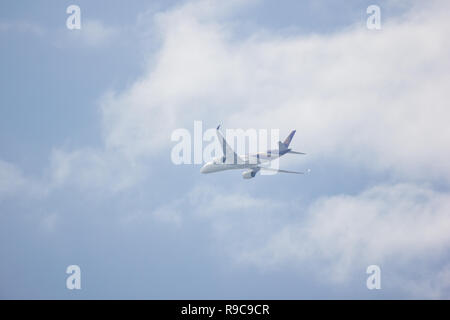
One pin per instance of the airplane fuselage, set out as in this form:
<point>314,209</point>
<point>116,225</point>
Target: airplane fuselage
<point>247,162</point>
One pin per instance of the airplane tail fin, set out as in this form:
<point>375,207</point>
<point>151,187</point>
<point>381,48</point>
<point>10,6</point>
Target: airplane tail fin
<point>285,144</point>
<point>287,141</point>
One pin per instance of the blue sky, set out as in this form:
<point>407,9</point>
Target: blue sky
<point>86,176</point>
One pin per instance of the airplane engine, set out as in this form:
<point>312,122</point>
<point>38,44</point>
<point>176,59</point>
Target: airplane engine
<point>248,174</point>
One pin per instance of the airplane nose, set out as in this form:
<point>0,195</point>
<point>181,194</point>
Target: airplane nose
<point>206,168</point>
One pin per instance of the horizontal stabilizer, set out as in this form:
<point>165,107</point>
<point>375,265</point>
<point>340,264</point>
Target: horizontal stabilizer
<point>279,170</point>
<point>295,152</point>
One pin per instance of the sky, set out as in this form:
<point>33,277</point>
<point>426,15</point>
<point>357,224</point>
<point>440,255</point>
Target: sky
<point>86,176</point>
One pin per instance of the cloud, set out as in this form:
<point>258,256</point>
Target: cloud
<point>384,222</point>
<point>14,183</point>
<point>373,99</point>
<point>402,227</point>
<point>11,178</point>
<point>22,27</point>
<point>237,220</point>
<point>170,214</point>
<point>397,226</point>
<point>49,221</point>
<point>93,169</point>
<point>95,33</point>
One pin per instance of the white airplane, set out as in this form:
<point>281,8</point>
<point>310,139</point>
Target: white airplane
<point>251,162</point>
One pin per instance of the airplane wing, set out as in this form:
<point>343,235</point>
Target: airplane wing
<point>279,170</point>
<point>229,155</point>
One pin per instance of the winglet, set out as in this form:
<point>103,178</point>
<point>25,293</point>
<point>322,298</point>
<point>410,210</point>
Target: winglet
<point>218,127</point>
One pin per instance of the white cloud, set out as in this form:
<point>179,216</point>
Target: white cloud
<point>13,182</point>
<point>22,26</point>
<point>49,221</point>
<point>374,99</point>
<point>371,99</point>
<point>170,214</point>
<point>399,222</point>
<point>91,169</point>
<point>403,228</point>
<point>95,33</point>
<point>11,178</point>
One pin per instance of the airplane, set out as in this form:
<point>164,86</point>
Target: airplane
<point>251,162</point>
